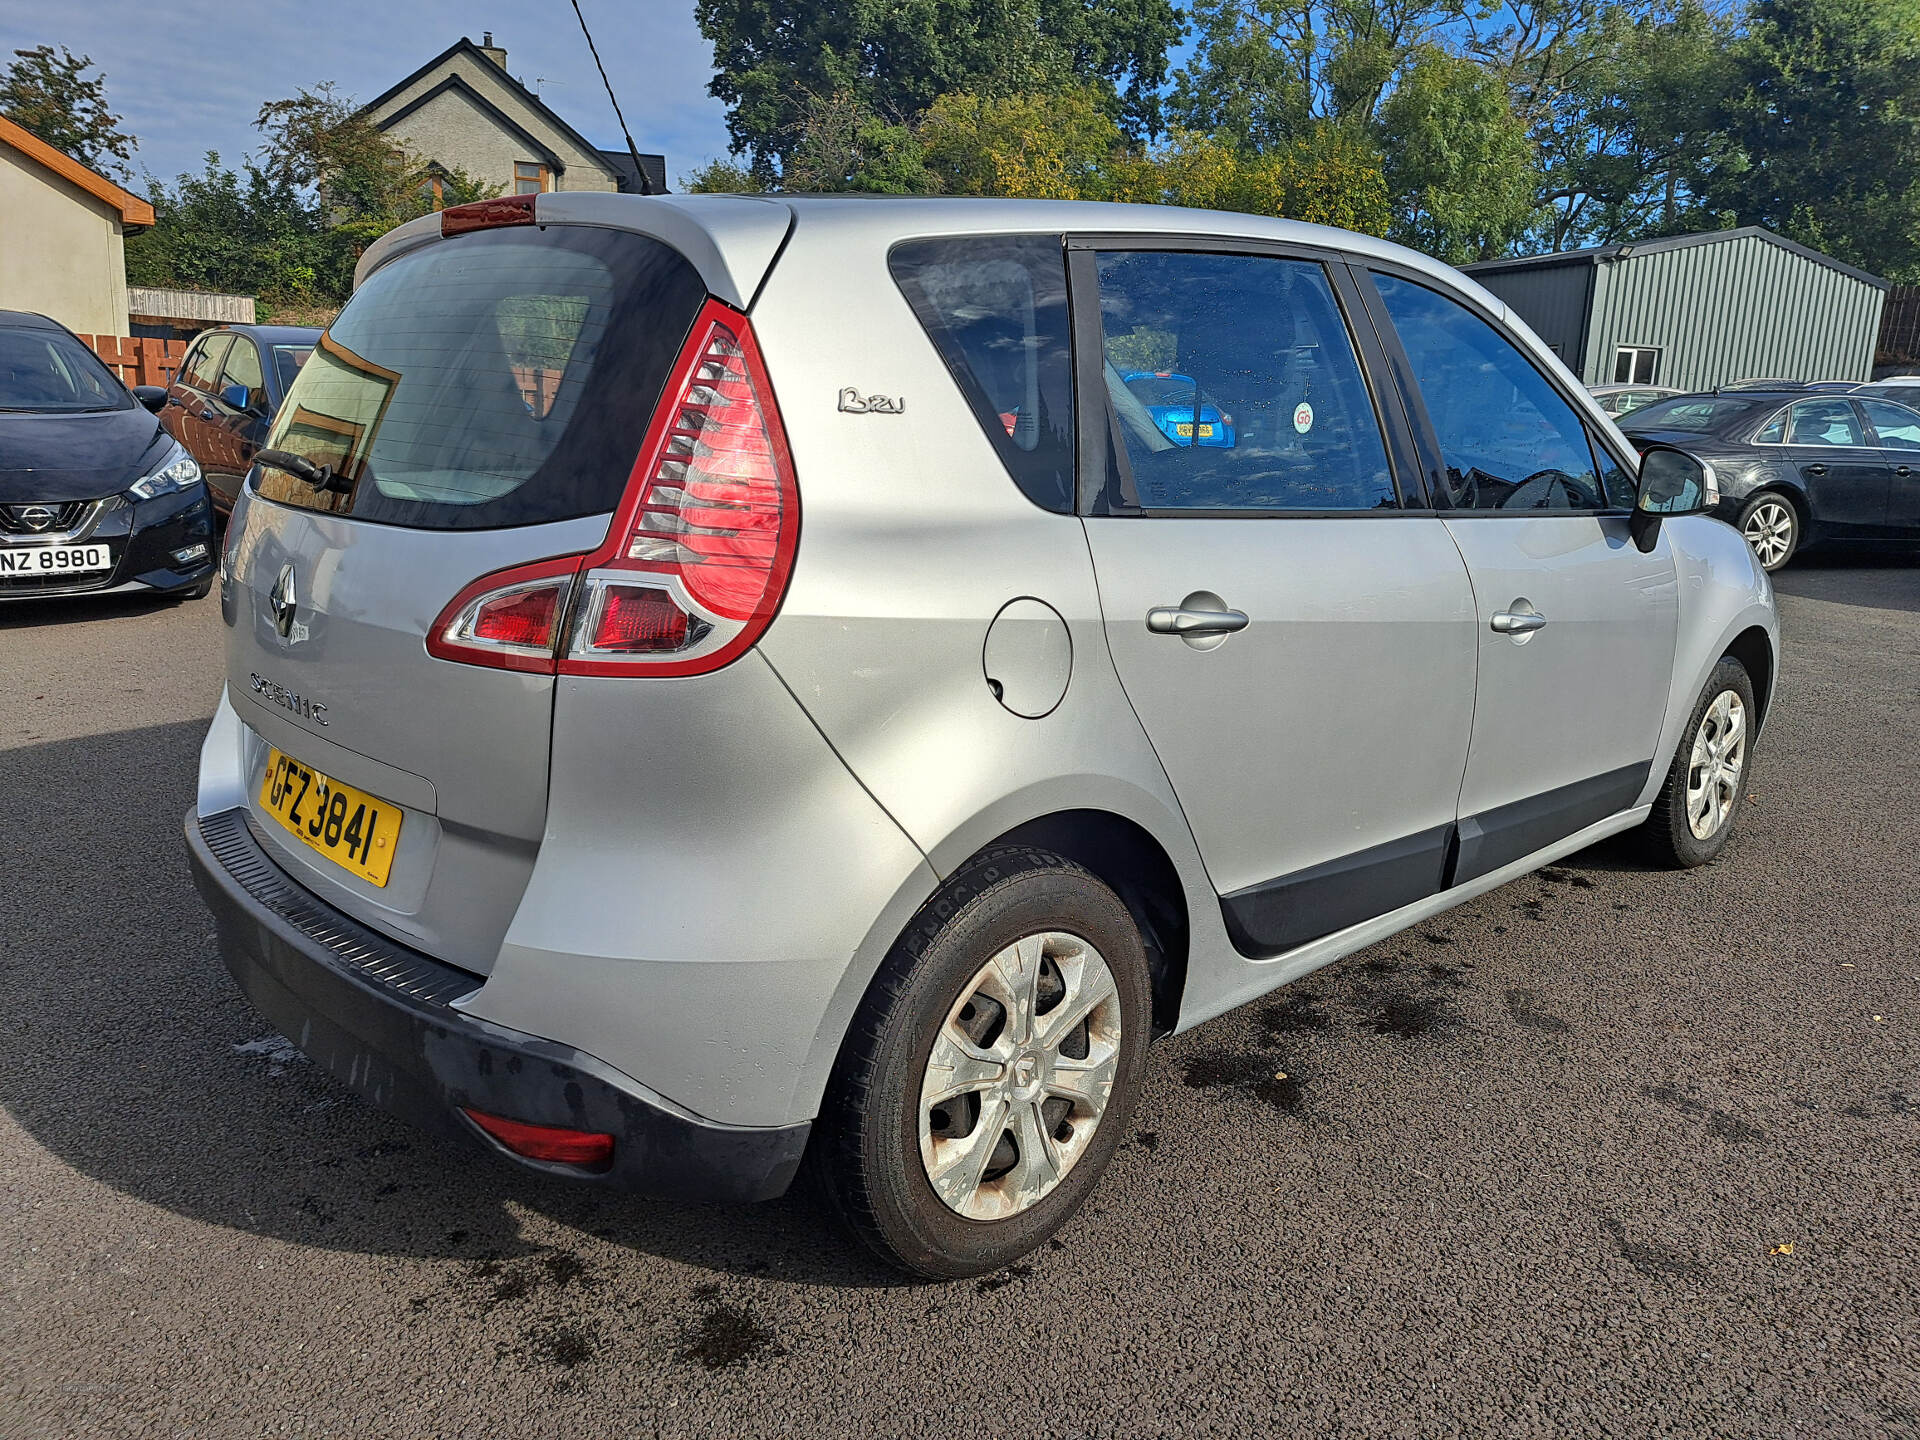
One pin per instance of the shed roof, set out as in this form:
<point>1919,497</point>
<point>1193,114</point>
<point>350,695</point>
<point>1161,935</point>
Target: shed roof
<point>135,213</point>
<point>1593,255</point>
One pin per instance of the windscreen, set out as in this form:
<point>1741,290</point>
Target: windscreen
<point>50,371</point>
<point>505,377</point>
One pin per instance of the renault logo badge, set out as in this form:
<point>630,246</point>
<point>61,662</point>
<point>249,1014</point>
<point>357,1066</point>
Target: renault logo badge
<point>285,600</point>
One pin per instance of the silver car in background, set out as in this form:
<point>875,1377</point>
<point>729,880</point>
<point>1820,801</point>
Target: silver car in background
<point>722,682</point>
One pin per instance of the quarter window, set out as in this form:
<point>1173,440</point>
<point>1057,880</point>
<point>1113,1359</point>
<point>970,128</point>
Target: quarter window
<point>1896,425</point>
<point>1508,440</point>
<point>1824,422</point>
<point>1234,385</point>
<point>995,306</point>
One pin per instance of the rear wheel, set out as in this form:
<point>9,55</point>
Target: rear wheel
<point>1771,526</point>
<point>992,1069</point>
<point>1692,819</point>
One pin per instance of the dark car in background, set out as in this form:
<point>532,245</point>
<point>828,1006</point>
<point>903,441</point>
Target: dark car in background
<point>1619,400</point>
<point>94,495</point>
<point>1798,465</point>
<point>225,394</point>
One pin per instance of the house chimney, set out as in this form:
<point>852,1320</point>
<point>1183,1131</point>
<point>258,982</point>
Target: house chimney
<point>492,51</point>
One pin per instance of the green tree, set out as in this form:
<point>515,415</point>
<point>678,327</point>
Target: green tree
<point>844,146</point>
<point>1051,144</point>
<point>1825,117</point>
<point>53,96</point>
<point>1459,160</point>
<point>1386,78</point>
<point>775,60</point>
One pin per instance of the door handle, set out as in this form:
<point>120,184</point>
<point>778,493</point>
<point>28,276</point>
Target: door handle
<point>1178,620</point>
<point>1517,622</point>
<point>1816,469</point>
<point>1904,470</point>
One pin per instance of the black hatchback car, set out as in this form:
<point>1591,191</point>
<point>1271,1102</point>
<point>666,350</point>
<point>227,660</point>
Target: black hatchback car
<point>1798,465</point>
<point>94,495</point>
<point>225,394</point>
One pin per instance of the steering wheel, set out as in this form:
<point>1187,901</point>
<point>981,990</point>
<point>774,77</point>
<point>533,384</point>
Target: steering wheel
<point>1536,492</point>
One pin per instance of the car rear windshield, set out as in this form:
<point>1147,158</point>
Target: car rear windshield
<point>49,370</point>
<point>1708,414</point>
<point>996,308</point>
<point>502,378</point>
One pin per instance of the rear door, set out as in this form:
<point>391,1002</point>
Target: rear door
<point>483,400</point>
<point>1576,626</point>
<point>1896,429</point>
<point>1297,644</point>
<point>1847,478</point>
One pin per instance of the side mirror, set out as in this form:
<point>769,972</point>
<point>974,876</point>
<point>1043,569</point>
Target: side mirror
<point>151,396</point>
<point>234,397</point>
<point>1672,482</point>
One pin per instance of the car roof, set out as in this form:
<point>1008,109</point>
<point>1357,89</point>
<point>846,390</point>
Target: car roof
<point>732,239</point>
<point>273,334</point>
<point>28,320</point>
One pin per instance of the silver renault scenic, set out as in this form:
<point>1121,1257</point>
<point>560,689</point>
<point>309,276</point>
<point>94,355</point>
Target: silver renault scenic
<point>724,685</point>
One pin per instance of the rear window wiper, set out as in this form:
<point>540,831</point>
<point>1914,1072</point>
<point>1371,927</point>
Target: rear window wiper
<point>320,477</point>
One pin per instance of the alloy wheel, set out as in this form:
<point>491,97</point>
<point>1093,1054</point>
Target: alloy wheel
<point>1769,530</point>
<point>1716,765</point>
<point>1019,1076</point>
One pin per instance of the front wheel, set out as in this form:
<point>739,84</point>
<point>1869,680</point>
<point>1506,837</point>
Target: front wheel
<point>1772,527</point>
<point>992,1068</point>
<point>1693,817</point>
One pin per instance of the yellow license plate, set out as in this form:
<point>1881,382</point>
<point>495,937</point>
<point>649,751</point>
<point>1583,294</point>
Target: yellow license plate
<point>1185,432</point>
<point>350,827</point>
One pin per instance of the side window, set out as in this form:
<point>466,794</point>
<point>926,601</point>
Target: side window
<point>1774,432</point>
<point>995,306</point>
<point>243,368</point>
<point>1507,438</point>
<point>1824,422</point>
<point>1234,386</point>
<point>202,367</point>
<point>1897,426</point>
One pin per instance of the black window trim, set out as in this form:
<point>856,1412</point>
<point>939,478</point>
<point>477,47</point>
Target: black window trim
<point>1094,413</point>
<point>1599,438</point>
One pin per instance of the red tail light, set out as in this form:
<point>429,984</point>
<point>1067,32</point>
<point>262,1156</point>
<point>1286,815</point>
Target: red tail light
<point>698,554</point>
<point>589,1149</point>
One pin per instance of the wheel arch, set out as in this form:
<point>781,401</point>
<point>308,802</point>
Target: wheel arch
<point>1753,648</point>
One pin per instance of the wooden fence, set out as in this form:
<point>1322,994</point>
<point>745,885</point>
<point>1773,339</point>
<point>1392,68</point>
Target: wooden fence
<point>139,360</point>
<point>1900,327</point>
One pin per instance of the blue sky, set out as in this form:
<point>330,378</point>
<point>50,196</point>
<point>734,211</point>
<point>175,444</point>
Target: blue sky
<point>188,76</point>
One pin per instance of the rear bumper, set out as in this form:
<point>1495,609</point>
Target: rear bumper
<point>382,1020</point>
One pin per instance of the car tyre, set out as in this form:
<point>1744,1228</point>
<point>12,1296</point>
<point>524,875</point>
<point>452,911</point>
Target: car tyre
<point>906,1165</point>
<point>1706,785</point>
<point>1771,525</point>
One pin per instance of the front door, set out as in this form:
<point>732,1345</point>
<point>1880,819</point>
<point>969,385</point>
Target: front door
<point>1897,429</point>
<point>1576,626</point>
<point>1845,475</point>
<point>1299,650</point>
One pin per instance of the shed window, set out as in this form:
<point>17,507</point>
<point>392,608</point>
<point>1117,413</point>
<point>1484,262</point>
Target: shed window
<point>1635,364</point>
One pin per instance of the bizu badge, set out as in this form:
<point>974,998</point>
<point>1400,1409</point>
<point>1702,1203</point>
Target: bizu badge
<point>854,403</point>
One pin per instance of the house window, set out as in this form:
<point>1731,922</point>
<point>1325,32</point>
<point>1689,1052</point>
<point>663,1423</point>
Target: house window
<point>1635,364</point>
<point>434,191</point>
<point>529,179</point>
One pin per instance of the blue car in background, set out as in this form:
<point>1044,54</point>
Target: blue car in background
<point>1169,397</point>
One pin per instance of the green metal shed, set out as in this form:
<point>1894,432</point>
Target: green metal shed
<point>1695,311</point>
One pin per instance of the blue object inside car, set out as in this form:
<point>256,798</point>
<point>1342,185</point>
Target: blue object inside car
<point>1174,402</point>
